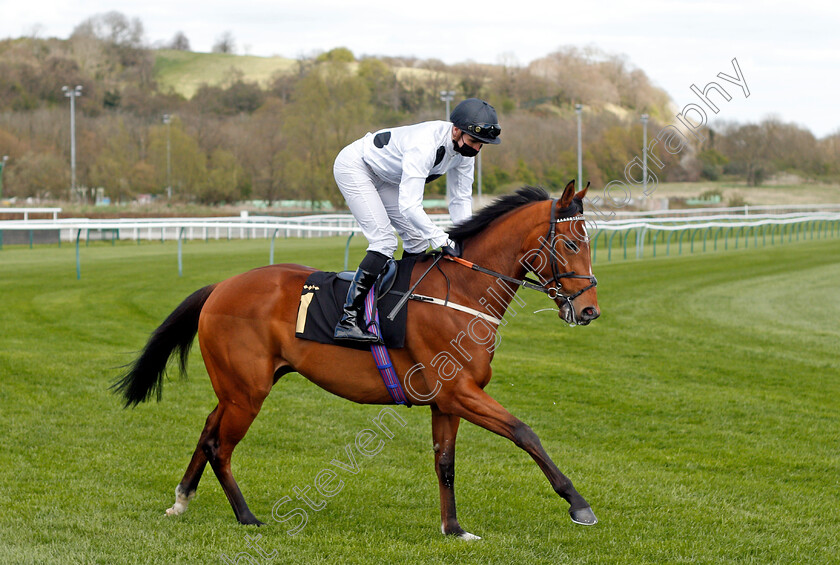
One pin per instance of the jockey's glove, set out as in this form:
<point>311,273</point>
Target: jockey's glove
<point>452,248</point>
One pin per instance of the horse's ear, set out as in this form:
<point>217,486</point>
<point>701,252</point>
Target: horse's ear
<point>568,194</point>
<point>580,195</point>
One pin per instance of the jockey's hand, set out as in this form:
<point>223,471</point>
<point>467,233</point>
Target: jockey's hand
<point>451,248</point>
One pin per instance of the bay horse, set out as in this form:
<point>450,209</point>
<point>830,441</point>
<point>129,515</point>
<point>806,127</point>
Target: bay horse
<point>246,332</point>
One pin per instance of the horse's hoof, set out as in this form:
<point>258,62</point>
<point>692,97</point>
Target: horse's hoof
<point>253,522</point>
<point>460,534</point>
<point>176,510</point>
<point>583,516</point>
<point>250,520</point>
<point>181,502</point>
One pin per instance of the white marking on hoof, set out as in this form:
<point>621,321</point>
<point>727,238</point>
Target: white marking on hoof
<point>466,536</point>
<point>181,502</point>
<point>590,521</point>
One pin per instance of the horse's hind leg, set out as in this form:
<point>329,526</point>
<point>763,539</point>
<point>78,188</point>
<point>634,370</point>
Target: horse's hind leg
<point>241,369</point>
<point>185,491</point>
<point>234,421</point>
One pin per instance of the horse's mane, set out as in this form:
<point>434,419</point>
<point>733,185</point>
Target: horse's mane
<point>499,207</point>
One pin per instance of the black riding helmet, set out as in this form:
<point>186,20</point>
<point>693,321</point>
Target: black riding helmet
<point>478,119</point>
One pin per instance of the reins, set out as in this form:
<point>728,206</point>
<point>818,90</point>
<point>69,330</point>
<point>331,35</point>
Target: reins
<point>524,282</point>
<point>405,298</point>
<point>547,288</point>
<point>553,292</point>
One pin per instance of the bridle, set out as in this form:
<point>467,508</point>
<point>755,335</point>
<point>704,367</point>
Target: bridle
<point>571,213</point>
<point>553,286</point>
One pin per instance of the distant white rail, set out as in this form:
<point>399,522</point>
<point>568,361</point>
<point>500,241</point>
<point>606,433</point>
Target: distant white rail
<point>246,227</point>
<point>745,210</point>
<point>26,211</point>
<point>645,231</point>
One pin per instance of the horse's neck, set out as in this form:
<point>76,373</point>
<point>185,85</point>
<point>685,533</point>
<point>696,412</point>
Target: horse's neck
<point>502,254</point>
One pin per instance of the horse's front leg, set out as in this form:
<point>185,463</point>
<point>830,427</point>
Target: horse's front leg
<point>444,431</point>
<point>470,402</point>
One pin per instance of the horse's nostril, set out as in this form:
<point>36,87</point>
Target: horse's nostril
<point>590,313</point>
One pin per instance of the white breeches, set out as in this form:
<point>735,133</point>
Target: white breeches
<point>375,204</point>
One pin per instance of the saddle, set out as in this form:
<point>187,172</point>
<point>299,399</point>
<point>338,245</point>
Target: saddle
<point>384,282</point>
<point>322,302</point>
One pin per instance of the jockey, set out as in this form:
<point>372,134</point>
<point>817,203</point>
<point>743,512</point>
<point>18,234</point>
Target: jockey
<point>382,177</point>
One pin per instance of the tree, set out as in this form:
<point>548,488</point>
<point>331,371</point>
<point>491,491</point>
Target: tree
<point>265,150</point>
<point>330,109</point>
<point>179,42</point>
<point>124,36</point>
<point>746,146</point>
<point>472,79</point>
<point>713,162</point>
<point>283,85</point>
<point>112,167</point>
<point>225,43</point>
<point>38,175</point>
<point>188,161</point>
<point>112,27</point>
<point>242,97</point>
<point>384,89</point>
<point>829,148</point>
<point>225,182</point>
<point>337,55</point>
<point>524,174</point>
<point>11,145</point>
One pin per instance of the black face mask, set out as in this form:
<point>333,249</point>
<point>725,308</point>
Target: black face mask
<point>465,149</point>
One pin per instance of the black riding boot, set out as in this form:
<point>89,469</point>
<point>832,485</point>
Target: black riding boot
<point>351,326</point>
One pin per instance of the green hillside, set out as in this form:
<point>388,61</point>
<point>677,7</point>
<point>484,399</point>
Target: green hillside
<point>184,72</point>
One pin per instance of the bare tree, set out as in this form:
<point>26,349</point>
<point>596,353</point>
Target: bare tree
<point>180,42</point>
<point>225,43</point>
<point>112,27</point>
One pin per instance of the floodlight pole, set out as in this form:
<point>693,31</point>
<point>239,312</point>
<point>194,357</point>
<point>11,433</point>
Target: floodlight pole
<point>578,111</point>
<point>167,119</point>
<point>2,166</point>
<point>644,118</point>
<point>447,96</point>
<point>72,94</point>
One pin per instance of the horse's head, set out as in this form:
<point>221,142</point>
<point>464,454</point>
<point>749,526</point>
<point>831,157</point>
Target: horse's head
<point>557,251</point>
<point>546,236</point>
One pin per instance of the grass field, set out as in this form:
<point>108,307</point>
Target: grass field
<point>765,194</point>
<point>700,416</point>
<point>185,71</point>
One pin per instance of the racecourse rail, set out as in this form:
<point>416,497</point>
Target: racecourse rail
<point>690,229</point>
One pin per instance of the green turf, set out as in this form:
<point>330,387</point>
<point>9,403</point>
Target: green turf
<point>700,416</point>
<point>184,72</point>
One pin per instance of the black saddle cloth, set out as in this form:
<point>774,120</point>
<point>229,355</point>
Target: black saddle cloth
<point>322,302</point>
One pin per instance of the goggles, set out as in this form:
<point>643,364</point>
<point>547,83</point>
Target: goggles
<point>491,131</point>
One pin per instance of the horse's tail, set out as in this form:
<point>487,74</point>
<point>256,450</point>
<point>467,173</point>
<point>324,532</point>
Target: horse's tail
<point>145,375</point>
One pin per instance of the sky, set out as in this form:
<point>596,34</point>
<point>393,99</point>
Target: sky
<point>788,52</point>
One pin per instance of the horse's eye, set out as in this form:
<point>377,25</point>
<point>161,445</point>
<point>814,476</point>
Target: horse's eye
<point>571,246</point>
